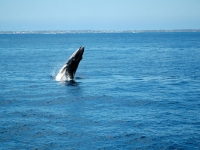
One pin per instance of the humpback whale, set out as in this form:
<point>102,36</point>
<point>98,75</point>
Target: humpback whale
<point>68,71</point>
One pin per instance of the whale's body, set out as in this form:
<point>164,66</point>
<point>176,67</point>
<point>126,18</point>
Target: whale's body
<point>68,71</point>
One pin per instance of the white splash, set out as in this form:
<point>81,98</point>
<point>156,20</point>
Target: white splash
<point>61,76</point>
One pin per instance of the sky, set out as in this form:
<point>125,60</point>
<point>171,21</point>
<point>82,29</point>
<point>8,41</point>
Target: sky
<point>26,15</point>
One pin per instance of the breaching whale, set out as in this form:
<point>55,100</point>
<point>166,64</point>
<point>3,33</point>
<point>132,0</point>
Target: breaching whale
<point>68,71</point>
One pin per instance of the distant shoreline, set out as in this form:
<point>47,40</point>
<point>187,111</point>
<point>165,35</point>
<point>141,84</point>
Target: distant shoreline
<point>93,31</point>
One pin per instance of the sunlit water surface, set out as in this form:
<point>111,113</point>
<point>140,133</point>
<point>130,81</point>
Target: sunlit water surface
<point>132,91</point>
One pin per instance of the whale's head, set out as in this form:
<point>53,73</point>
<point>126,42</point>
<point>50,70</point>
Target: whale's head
<point>73,62</point>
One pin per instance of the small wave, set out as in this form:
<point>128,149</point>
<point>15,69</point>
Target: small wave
<point>78,78</point>
<point>69,83</point>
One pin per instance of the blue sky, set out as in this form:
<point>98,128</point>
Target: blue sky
<point>99,14</point>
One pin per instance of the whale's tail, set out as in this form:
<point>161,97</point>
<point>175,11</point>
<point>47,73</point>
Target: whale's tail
<point>68,71</point>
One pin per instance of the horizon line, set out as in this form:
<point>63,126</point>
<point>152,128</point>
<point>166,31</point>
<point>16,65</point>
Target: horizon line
<point>94,31</point>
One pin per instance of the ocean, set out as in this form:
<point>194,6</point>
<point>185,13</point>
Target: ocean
<point>131,91</point>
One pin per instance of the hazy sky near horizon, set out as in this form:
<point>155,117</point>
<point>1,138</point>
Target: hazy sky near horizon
<point>99,14</point>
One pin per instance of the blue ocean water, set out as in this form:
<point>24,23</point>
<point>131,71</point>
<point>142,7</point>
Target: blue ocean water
<point>132,91</point>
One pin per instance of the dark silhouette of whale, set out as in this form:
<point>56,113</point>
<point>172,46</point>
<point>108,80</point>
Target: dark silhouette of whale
<point>68,71</point>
